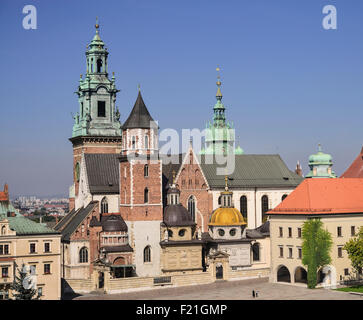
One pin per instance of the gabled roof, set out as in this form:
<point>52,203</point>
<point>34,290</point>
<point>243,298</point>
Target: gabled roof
<point>76,220</point>
<point>355,170</point>
<point>139,116</point>
<point>62,223</point>
<point>251,170</point>
<point>323,196</point>
<point>102,172</point>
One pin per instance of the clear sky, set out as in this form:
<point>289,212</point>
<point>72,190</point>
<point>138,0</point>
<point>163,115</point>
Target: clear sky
<point>287,83</point>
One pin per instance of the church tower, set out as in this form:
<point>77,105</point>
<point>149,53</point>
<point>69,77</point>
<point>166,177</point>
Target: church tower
<point>220,135</point>
<point>97,127</point>
<point>141,204</point>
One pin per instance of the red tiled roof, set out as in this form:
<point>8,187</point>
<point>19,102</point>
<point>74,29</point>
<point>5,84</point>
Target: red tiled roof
<point>355,170</point>
<point>3,196</point>
<point>324,196</point>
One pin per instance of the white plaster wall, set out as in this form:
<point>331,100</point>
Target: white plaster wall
<point>112,199</point>
<point>142,234</point>
<point>78,270</point>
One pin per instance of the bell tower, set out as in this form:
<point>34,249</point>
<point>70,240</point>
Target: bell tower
<point>97,127</point>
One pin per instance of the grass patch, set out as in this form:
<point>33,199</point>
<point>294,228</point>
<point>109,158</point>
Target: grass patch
<point>352,289</point>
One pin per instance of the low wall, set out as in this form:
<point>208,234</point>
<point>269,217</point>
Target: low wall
<point>249,274</point>
<point>77,285</point>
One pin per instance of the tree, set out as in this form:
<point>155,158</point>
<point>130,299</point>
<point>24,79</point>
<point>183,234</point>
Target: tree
<point>354,247</point>
<point>316,246</point>
<point>18,286</point>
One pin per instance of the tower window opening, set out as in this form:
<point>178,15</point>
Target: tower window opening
<point>133,142</point>
<point>146,195</point>
<point>99,65</point>
<point>101,109</point>
<point>146,142</point>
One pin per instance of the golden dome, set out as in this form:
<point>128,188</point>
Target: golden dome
<point>227,217</point>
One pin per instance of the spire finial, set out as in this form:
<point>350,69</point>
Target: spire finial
<point>97,25</point>
<point>226,182</point>
<point>319,147</point>
<point>138,87</point>
<point>219,93</point>
<point>173,176</point>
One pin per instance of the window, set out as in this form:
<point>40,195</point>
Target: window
<point>346,272</point>
<point>133,142</point>
<point>147,254</point>
<point>83,255</point>
<point>221,232</point>
<point>104,205</point>
<point>299,232</point>
<point>232,232</point>
<point>101,109</point>
<point>340,252</point>
<point>146,141</point>
<point>256,252</point>
<point>4,249</point>
<point>46,247</point>
<point>264,207</point>
<point>40,291</point>
<point>3,230</point>
<point>146,170</point>
<point>181,233</point>
<point>339,231</point>
<point>352,231</point>
<point>5,272</point>
<point>32,248</point>
<point>243,206</point>
<point>99,65</point>
<point>146,195</point>
<point>290,253</point>
<point>191,207</point>
<point>283,197</point>
<point>290,232</point>
<point>81,109</point>
<point>170,233</point>
<point>281,252</point>
<point>219,200</point>
<point>281,233</point>
<point>47,268</point>
<point>299,253</point>
<point>33,269</point>
<point>77,171</point>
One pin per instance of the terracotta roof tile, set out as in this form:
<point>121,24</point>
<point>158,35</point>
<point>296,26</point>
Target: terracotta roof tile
<point>324,196</point>
<point>355,170</point>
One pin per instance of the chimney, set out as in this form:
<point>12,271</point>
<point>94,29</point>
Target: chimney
<point>298,169</point>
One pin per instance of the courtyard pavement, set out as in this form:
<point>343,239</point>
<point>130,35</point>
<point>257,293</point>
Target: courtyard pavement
<point>229,290</point>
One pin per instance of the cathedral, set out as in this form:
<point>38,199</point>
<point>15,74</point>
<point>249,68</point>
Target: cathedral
<point>133,213</point>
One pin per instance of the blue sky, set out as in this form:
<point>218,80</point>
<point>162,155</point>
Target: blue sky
<point>288,84</point>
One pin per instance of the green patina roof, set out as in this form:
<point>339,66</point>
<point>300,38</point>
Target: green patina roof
<point>25,226</point>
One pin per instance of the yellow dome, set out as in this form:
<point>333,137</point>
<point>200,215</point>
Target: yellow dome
<point>226,217</point>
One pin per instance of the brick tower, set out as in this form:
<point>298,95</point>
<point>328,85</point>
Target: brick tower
<point>141,188</point>
<point>97,127</point>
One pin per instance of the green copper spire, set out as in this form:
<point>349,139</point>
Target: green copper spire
<point>219,134</point>
<point>97,95</point>
<point>320,165</point>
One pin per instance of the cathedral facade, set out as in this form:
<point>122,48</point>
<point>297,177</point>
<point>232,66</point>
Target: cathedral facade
<point>133,213</point>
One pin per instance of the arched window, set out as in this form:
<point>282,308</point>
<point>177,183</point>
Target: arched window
<point>243,206</point>
<point>77,171</point>
<point>83,255</point>
<point>283,197</point>
<point>146,140</point>
<point>256,252</point>
<point>191,207</point>
<point>3,230</point>
<point>104,205</point>
<point>146,170</point>
<point>219,200</point>
<point>99,65</point>
<point>264,207</point>
<point>146,195</point>
<point>92,65</point>
<point>147,254</point>
<point>133,142</point>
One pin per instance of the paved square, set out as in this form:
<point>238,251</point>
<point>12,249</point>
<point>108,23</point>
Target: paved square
<point>230,290</point>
